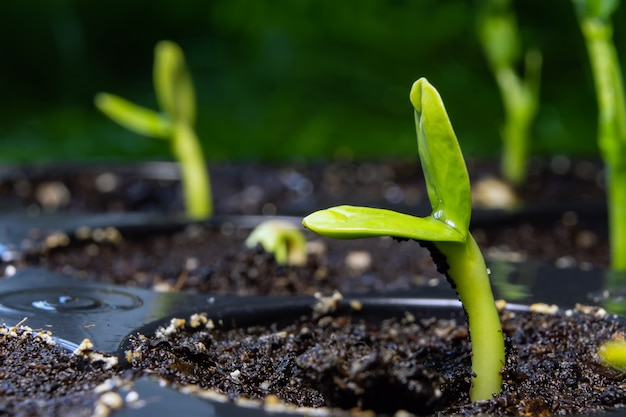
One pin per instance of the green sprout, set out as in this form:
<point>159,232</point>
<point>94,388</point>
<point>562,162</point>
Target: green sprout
<point>500,39</point>
<point>594,17</point>
<point>284,239</point>
<point>445,232</point>
<point>176,97</point>
<point>612,353</point>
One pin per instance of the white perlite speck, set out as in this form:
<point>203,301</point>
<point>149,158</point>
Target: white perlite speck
<point>197,320</point>
<point>325,304</point>
<point>25,332</point>
<point>85,349</point>
<point>541,308</point>
<point>173,327</point>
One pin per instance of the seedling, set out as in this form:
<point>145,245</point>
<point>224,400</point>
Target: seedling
<point>175,94</point>
<point>445,232</point>
<point>285,240</point>
<point>612,353</point>
<point>594,17</point>
<point>499,36</point>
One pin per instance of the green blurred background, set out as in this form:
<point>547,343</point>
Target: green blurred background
<point>283,79</point>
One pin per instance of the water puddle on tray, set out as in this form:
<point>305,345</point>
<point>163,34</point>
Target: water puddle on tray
<point>64,300</point>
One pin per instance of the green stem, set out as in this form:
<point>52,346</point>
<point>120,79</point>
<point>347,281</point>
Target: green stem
<point>611,128</point>
<point>468,272</point>
<point>194,174</point>
<point>521,103</point>
<point>515,150</point>
<point>616,179</point>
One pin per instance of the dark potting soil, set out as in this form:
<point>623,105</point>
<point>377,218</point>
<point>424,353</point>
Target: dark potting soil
<point>216,261</point>
<point>249,188</point>
<point>418,365</point>
<point>41,378</point>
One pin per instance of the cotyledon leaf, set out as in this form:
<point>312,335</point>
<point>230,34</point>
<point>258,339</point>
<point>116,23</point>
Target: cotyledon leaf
<point>350,222</point>
<point>133,117</point>
<point>447,180</point>
<point>173,83</point>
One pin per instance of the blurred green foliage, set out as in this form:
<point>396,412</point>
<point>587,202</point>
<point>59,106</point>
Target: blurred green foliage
<point>281,80</point>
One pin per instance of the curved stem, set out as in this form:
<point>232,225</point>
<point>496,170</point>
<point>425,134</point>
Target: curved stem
<point>521,103</point>
<point>616,178</point>
<point>468,272</point>
<point>611,128</point>
<point>194,175</point>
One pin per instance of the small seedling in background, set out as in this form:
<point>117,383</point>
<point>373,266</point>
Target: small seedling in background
<point>285,240</point>
<point>500,39</point>
<point>445,232</point>
<point>612,353</point>
<point>175,94</point>
<point>594,17</point>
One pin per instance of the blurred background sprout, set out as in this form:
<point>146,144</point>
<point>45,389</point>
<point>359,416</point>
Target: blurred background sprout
<point>176,97</point>
<point>501,41</point>
<point>283,239</point>
<point>595,23</point>
<point>612,353</point>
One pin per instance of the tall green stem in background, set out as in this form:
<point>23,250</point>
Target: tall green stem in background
<point>594,19</point>
<point>499,36</point>
<point>176,97</point>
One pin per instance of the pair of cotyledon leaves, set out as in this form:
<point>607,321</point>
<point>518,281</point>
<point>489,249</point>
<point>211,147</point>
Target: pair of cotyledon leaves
<point>447,183</point>
<point>174,91</point>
